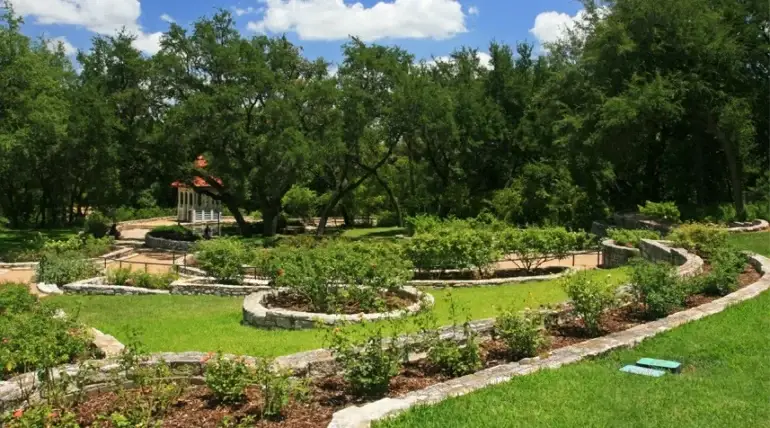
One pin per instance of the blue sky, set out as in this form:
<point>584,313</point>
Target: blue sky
<point>426,28</point>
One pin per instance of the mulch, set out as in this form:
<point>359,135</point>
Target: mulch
<point>197,407</point>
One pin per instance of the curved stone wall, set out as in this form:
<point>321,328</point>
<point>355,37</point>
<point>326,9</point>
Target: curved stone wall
<point>167,244</point>
<point>689,263</point>
<point>753,226</point>
<point>458,283</point>
<point>614,255</point>
<point>257,315</point>
<point>182,286</point>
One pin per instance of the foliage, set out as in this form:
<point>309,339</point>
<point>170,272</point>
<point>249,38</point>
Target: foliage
<point>141,279</point>
<point>64,268</point>
<point>704,239</point>
<point>656,287</point>
<point>667,211</point>
<point>364,270</point>
<point>522,332</point>
<point>631,237</point>
<point>367,362</point>
<point>87,245</point>
<point>228,378</point>
<point>300,202</point>
<point>223,259</point>
<point>531,247</point>
<point>34,339</point>
<point>15,298</point>
<point>387,219</point>
<point>96,225</point>
<point>130,213</point>
<point>450,245</point>
<point>40,416</point>
<point>447,354</point>
<point>726,266</point>
<point>175,233</point>
<point>590,298</point>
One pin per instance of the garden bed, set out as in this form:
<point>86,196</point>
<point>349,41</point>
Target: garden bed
<point>290,301</point>
<point>257,313</point>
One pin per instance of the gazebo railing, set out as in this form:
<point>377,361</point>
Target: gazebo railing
<point>202,216</point>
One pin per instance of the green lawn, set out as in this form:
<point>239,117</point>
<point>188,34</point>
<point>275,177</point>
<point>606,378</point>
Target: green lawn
<point>14,241</point>
<point>725,383</point>
<point>207,323</point>
<point>373,232</point>
<point>759,242</point>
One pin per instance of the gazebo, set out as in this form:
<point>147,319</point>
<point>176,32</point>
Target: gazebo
<point>193,206</point>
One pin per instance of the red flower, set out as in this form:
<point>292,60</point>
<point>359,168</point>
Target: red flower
<point>206,357</point>
<point>53,415</point>
<point>18,413</point>
<point>280,272</point>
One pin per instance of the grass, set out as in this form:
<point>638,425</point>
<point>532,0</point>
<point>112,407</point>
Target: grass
<point>208,323</point>
<point>758,242</point>
<point>725,383</point>
<point>15,241</point>
<point>373,232</point>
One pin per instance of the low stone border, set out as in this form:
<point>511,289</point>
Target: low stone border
<point>182,286</point>
<point>614,255</point>
<point>753,226</point>
<point>363,416</point>
<point>257,315</point>
<point>96,286</point>
<point>457,283</point>
<point>167,244</point>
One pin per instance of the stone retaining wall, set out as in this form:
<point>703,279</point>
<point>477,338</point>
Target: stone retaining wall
<point>638,221</point>
<point>363,416</point>
<point>688,263</point>
<point>257,315</point>
<point>217,289</point>
<point>753,226</point>
<point>614,255</point>
<point>168,244</point>
<point>183,286</point>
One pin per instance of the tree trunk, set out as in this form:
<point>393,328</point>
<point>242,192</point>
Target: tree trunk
<point>335,199</point>
<point>270,215</point>
<point>350,222</point>
<point>393,199</point>
<point>235,210</point>
<point>734,168</point>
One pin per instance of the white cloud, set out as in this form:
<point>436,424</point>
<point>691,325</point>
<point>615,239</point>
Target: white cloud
<point>240,12</point>
<point>553,26</point>
<point>335,20</point>
<point>485,60</point>
<point>166,17</point>
<point>473,10</point>
<point>99,16</point>
<point>54,43</point>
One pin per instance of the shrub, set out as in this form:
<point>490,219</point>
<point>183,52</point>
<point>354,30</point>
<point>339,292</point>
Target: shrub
<point>97,225</point>
<point>447,354</point>
<point>125,276</point>
<point>656,287</point>
<point>532,247</point>
<point>228,378</point>
<point>667,211</point>
<point>15,298</point>
<point>175,233</point>
<point>455,246</point>
<point>367,363</point>
<point>522,333</point>
<point>64,268</point>
<point>129,213</point>
<point>223,259</point>
<point>703,239</point>
<point>387,219</point>
<point>300,202</point>
<point>422,223</point>
<point>256,215</point>
<point>34,339</point>
<point>40,416</point>
<point>316,273</point>
<point>278,388</point>
<point>590,298</point>
<point>726,266</point>
<point>631,237</point>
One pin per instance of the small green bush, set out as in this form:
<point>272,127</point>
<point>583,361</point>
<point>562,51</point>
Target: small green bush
<point>223,259</point>
<point>175,233</point>
<point>522,332</point>
<point>656,287</point>
<point>422,223</point>
<point>631,237</point>
<point>141,279</point>
<point>367,363</point>
<point>64,268</point>
<point>300,202</point>
<point>40,416</point>
<point>590,297</point>
<point>726,266</point>
<point>667,211</point>
<point>453,246</point>
<point>15,298</point>
<point>531,247</point>
<point>129,213</point>
<point>97,225</point>
<point>447,354</point>
<point>705,240</point>
<point>228,378</point>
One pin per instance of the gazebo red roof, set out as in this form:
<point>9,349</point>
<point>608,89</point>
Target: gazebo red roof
<point>200,162</point>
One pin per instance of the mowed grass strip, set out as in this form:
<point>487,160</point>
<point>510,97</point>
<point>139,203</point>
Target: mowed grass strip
<point>725,383</point>
<point>209,323</point>
<point>758,242</point>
